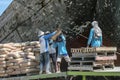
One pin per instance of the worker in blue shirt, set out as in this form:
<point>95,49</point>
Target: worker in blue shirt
<point>95,36</point>
<point>62,51</point>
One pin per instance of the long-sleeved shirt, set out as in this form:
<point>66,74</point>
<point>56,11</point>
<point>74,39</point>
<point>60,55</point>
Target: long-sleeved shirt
<point>44,45</point>
<point>62,46</point>
<point>95,42</point>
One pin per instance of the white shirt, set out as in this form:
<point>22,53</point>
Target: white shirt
<point>52,50</point>
<point>42,44</point>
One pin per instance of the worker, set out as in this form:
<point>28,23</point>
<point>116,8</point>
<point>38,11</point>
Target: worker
<point>44,53</point>
<point>52,53</point>
<point>62,51</point>
<point>95,36</point>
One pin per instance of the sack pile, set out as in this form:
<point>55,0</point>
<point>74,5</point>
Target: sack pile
<point>19,58</point>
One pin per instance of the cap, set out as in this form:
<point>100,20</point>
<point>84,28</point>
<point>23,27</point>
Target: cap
<point>40,33</point>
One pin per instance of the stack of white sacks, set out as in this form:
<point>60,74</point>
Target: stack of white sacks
<point>19,58</point>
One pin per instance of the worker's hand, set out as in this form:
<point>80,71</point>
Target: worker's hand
<point>54,37</point>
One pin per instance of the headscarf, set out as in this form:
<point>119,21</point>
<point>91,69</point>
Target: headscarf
<point>98,31</point>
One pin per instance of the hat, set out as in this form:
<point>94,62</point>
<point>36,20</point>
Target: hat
<point>47,32</point>
<point>94,23</point>
<point>40,33</point>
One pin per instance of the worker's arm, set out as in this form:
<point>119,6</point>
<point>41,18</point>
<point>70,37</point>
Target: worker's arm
<point>90,37</point>
<point>56,35</point>
<point>48,36</point>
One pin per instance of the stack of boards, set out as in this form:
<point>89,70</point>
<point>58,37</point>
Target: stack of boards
<point>90,59</point>
<point>19,58</point>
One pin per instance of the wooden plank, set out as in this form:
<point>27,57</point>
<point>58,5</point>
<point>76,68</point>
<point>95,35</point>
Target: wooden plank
<point>97,63</point>
<point>93,54</point>
<point>82,54</point>
<point>106,49</point>
<point>82,50</point>
<point>114,57</point>
<point>92,49</point>
<point>90,68</point>
<point>81,68</point>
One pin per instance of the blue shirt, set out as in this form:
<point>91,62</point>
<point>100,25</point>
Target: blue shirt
<point>62,46</point>
<point>95,42</point>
